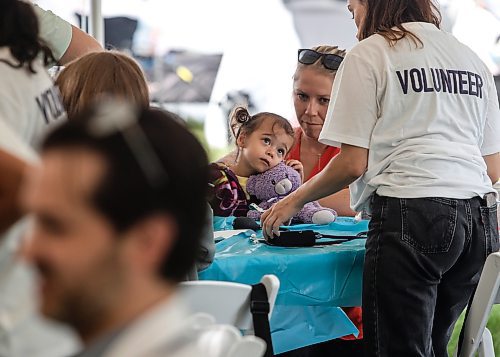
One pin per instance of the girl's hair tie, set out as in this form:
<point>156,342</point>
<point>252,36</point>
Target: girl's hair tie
<point>242,116</point>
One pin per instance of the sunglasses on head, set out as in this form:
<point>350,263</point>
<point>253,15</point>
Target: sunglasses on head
<point>328,60</point>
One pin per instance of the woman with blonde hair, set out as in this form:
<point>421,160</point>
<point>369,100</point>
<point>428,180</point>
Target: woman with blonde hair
<point>97,74</point>
<point>312,86</point>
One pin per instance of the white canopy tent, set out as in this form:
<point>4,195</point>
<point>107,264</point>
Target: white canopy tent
<point>96,21</point>
<point>259,40</point>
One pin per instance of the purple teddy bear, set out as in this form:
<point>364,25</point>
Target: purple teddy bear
<point>274,184</point>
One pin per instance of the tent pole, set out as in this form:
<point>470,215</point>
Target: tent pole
<point>96,21</point>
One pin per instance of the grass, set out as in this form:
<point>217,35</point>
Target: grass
<point>493,325</point>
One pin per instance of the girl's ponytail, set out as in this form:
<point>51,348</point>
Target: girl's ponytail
<point>238,118</point>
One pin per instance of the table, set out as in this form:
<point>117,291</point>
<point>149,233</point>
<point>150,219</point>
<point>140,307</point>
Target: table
<point>314,281</point>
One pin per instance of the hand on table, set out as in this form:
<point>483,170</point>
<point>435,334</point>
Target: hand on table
<point>279,214</point>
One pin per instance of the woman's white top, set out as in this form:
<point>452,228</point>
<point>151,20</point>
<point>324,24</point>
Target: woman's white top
<point>427,113</point>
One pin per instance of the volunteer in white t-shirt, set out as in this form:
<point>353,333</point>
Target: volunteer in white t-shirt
<point>417,116</point>
<point>29,107</point>
<point>29,102</point>
<point>66,41</point>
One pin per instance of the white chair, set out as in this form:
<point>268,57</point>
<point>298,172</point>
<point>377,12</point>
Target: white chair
<point>226,341</point>
<point>476,336</point>
<point>228,302</point>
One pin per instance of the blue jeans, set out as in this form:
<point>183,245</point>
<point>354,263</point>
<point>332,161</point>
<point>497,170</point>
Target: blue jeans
<point>423,260</point>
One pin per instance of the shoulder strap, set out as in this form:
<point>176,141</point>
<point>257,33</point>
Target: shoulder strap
<point>259,306</point>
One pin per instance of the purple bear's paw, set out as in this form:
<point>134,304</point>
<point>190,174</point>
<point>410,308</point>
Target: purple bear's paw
<point>325,216</point>
<point>313,212</point>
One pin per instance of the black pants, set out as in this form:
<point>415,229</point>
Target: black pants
<point>423,259</point>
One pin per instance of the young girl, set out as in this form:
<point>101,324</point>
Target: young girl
<point>262,141</point>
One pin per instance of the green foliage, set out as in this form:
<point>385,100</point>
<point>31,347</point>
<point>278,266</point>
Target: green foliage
<point>197,128</point>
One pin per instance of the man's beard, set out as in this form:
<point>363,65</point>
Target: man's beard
<point>87,303</point>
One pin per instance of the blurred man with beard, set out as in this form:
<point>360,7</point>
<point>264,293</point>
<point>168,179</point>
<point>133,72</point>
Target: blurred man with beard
<point>118,208</point>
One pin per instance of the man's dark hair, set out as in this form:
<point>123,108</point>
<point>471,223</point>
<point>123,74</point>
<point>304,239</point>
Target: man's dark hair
<point>126,194</point>
<point>19,31</point>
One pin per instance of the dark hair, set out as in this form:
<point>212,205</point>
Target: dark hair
<point>125,195</point>
<point>19,31</point>
<point>383,15</point>
<point>241,122</point>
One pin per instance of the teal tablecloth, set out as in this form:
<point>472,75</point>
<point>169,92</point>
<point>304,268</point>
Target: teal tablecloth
<point>313,281</point>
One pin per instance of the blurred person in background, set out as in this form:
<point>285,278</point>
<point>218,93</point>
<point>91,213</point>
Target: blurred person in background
<point>97,74</point>
<point>111,74</point>
<point>29,101</point>
<point>118,214</point>
<point>66,41</point>
<point>30,105</point>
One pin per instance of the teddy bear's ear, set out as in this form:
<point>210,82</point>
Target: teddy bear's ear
<point>290,171</point>
<point>293,175</point>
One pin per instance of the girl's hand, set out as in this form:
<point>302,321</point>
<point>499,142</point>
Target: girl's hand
<point>297,166</point>
<point>278,215</point>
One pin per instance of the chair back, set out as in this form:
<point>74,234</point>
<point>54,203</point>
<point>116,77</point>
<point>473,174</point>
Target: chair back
<point>228,302</point>
<point>474,328</point>
<point>226,341</point>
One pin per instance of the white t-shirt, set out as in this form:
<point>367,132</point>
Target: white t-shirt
<point>166,329</point>
<point>29,106</point>
<point>14,145</point>
<point>427,116</point>
<point>30,103</point>
<point>54,30</point>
